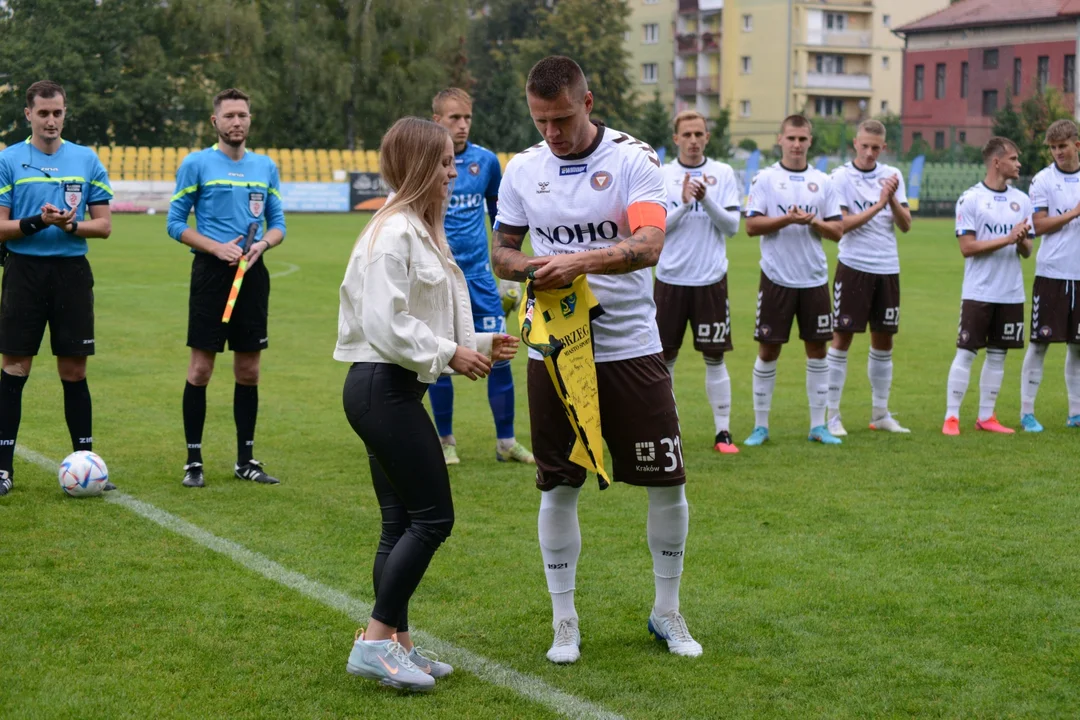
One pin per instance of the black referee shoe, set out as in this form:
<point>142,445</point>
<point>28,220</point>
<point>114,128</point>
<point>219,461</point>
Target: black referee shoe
<point>5,482</point>
<point>193,475</point>
<point>252,470</point>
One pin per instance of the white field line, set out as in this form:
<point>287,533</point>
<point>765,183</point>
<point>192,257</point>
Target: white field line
<point>289,270</point>
<point>357,609</point>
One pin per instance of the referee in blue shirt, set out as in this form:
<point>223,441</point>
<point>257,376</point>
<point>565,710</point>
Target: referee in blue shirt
<point>48,187</point>
<point>476,187</point>
<point>230,189</point>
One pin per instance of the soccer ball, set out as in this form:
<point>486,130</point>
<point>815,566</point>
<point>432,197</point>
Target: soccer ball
<point>510,294</point>
<point>83,474</point>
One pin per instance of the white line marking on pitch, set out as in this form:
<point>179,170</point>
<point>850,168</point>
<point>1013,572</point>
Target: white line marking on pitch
<point>289,270</point>
<point>359,610</point>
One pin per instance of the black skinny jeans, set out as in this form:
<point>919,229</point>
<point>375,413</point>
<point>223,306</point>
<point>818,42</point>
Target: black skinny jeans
<point>383,403</point>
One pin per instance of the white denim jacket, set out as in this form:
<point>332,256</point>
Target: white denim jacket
<point>405,302</point>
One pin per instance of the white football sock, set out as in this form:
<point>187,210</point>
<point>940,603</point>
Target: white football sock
<point>1031,376</point>
<point>817,389</point>
<point>1072,378</point>
<point>879,369</point>
<point>718,390</point>
<point>959,377</point>
<point>764,383</point>
<point>993,374</point>
<point>560,546</point>
<point>837,360</point>
<point>667,527</point>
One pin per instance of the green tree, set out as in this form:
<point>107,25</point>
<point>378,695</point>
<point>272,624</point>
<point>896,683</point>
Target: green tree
<point>654,124</point>
<point>591,32</point>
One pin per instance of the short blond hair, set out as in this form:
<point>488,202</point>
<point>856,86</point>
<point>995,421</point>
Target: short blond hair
<point>872,127</point>
<point>451,93</point>
<point>689,115</point>
<point>1061,131</point>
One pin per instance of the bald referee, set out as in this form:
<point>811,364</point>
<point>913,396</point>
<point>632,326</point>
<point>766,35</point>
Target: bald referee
<point>230,189</point>
<point>54,195</point>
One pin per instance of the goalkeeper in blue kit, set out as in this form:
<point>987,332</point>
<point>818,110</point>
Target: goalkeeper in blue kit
<point>476,187</point>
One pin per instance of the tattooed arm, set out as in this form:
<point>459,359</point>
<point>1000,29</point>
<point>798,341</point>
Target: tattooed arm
<point>640,250</point>
<point>506,256</point>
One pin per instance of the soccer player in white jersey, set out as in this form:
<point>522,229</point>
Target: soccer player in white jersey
<point>1055,309</point>
<point>866,285</point>
<point>691,277</point>
<point>792,206</point>
<point>594,202</point>
<point>994,228</point>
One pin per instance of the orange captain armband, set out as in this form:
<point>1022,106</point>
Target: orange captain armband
<point>641,214</point>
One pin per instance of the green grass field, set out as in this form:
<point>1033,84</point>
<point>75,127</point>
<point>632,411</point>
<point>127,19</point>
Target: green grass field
<point>889,577</point>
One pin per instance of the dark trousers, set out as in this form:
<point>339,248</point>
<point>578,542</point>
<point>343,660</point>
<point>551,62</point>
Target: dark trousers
<point>383,403</point>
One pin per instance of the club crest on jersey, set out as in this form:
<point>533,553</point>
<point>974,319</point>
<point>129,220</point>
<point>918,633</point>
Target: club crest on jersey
<point>1014,206</point>
<point>812,187</point>
<point>600,180</point>
<point>73,194</point>
<point>474,169</point>
<point>567,305</point>
<point>256,203</point>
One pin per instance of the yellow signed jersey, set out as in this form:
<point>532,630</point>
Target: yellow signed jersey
<point>558,324</point>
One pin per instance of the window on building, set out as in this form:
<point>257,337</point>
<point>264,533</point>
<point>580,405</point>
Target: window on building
<point>939,81</point>
<point>648,72</point>
<point>920,73</point>
<point>747,22</point>
<point>963,79</point>
<point>744,108</point>
<point>884,106</point>
<point>835,21</point>
<point>962,136</point>
<point>652,33</point>
<point>886,20</point>
<point>830,64</point>
<point>1044,71</point>
<point>826,106</point>
<point>990,59</point>
<point>1018,76</point>
<point>990,102</point>
<point>1068,82</point>
<point>884,62</point>
<point>939,140</point>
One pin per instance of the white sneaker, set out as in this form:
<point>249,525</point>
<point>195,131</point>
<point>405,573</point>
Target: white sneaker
<point>836,427</point>
<point>672,628</point>
<point>888,424</point>
<point>565,647</point>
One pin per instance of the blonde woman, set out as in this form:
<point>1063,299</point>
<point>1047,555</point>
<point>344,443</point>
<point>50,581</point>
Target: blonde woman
<point>405,321</point>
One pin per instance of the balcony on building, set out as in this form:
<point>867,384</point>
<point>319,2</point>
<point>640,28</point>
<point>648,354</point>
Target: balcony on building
<point>835,81</point>
<point>686,43</point>
<point>856,39</point>
<point>708,85</point>
<point>686,85</point>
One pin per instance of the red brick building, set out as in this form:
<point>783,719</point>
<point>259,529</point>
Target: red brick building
<point>961,62</point>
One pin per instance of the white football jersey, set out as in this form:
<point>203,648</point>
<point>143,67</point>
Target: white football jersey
<point>793,257</point>
<point>987,213</point>
<point>695,251</point>
<point>578,203</point>
<point>1057,193</point>
<point>870,248</point>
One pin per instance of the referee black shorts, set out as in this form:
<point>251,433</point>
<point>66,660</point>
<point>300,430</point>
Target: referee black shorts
<point>211,280</point>
<point>53,291</point>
